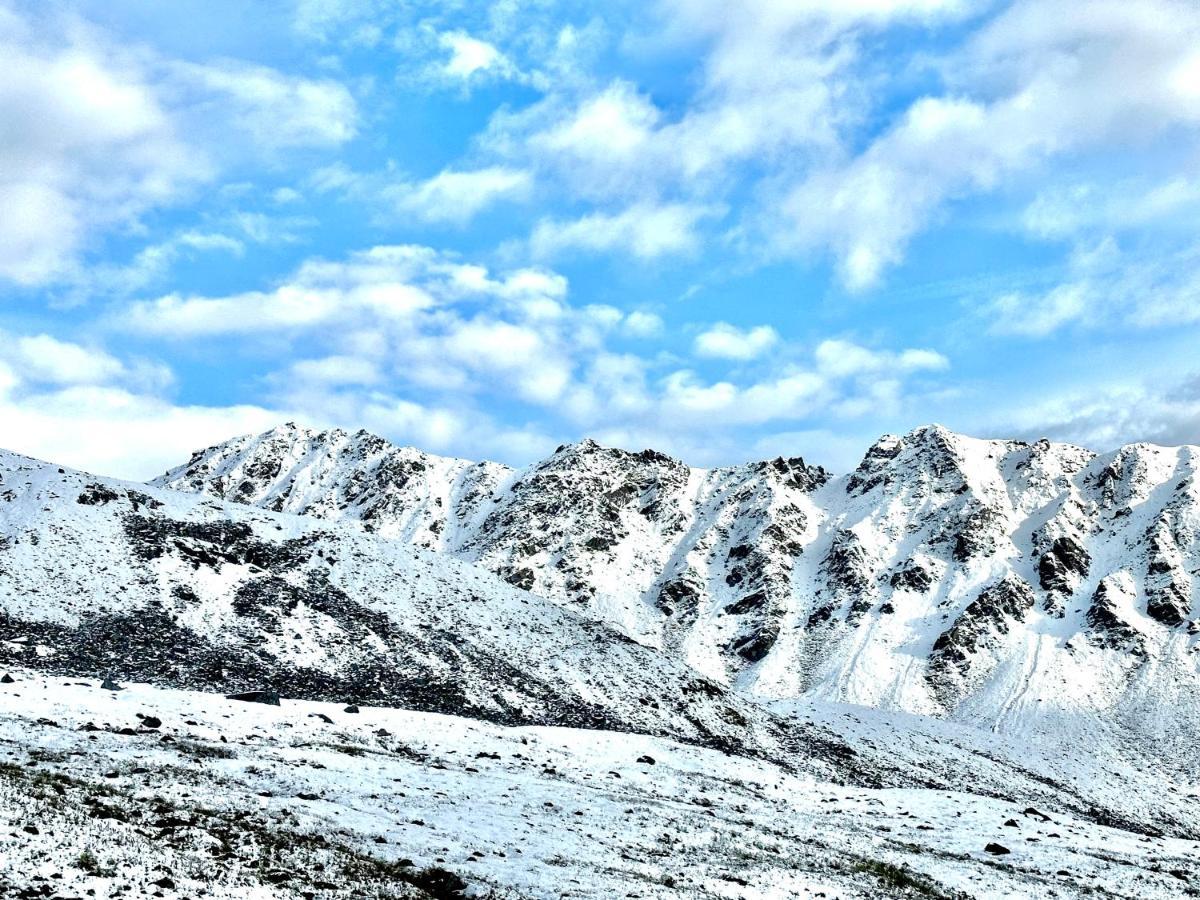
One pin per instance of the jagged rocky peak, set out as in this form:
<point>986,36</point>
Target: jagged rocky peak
<point>930,457</point>
<point>335,474</point>
<point>793,472</point>
<point>1127,476</point>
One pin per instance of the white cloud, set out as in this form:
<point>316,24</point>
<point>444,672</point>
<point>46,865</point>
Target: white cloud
<point>45,359</point>
<point>96,135</point>
<point>128,435</point>
<point>1069,211</point>
<point>470,56</point>
<point>642,324</point>
<point>844,359</point>
<point>397,323</point>
<point>333,371</point>
<point>1112,414</point>
<point>87,144</point>
<point>1037,82</point>
<point>1106,287</point>
<point>645,230</point>
<point>457,197</point>
<point>275,110</point>
<point>725,341</point>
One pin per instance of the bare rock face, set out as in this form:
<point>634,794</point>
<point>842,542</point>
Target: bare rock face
<point>1106,620</point>
<point>1062,565</point>
<point>978,628</point>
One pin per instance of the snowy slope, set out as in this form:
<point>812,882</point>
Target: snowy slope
<point>157,790</point>
<point>1035,589</point>
<point>97,575</point>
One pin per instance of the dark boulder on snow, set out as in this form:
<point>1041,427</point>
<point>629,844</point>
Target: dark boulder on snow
<point>270,698</point>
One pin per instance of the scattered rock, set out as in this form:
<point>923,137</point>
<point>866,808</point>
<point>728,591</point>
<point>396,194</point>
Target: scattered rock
<point>271,698</point>
<point>647,760</point>
<point>352,708</point>
<point>8,679</point>
<point>997,849</point>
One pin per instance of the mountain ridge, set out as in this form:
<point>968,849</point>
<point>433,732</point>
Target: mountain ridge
<point>959,577</point>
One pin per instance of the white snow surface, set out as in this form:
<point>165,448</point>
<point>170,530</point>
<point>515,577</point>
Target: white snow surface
<point>238,800</point>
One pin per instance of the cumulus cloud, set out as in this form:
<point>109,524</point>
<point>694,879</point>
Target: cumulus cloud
<point>276,111</point>
<point>457,197</point>
<point>725,341</point>
<point>41,358</point>
<point>1110,415</point>
<point>397,323</point>
<point>470,56</point>
<point>642,324</point>
<point>1106,287</point>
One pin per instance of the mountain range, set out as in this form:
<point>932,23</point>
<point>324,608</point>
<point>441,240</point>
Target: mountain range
<point>996,632</point>
<point>1031,588</point>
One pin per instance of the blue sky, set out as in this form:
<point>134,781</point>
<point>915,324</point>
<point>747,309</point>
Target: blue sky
<point>724,231</point>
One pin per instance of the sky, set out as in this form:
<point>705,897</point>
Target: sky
<point>724,231</point>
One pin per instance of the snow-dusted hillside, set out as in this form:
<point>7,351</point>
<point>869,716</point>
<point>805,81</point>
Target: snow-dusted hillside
<point>97,575</point>
<point>171,793</point>
<point>1031,588</point>
<point>441,731</point>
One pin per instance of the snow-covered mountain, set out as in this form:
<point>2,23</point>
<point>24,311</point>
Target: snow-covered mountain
<point>441,733</point>
<point>1023,587</point>
<point>100,576</point>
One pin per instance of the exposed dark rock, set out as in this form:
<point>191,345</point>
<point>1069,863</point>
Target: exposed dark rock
<point>1065,561</point>
<point>97,495</point>
<point>680,596</point>
<point>912,577</point>
<point>996,849</point>
<point>988,615</point>
<point>270,698</point>
<point>846,564</point>
<point>750,602</point>
<point>1169,603</point>
<point>1107,627</point>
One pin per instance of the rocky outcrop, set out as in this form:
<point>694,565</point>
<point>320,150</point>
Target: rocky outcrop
<point>1106,623</point>
<point>991,615</point>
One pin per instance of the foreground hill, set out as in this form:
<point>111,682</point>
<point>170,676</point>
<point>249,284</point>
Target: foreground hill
<point>1038,589</point>
<point>180,794</point>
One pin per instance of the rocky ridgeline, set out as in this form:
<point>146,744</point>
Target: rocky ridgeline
<point>102,578</point>
<point>975,558</point>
